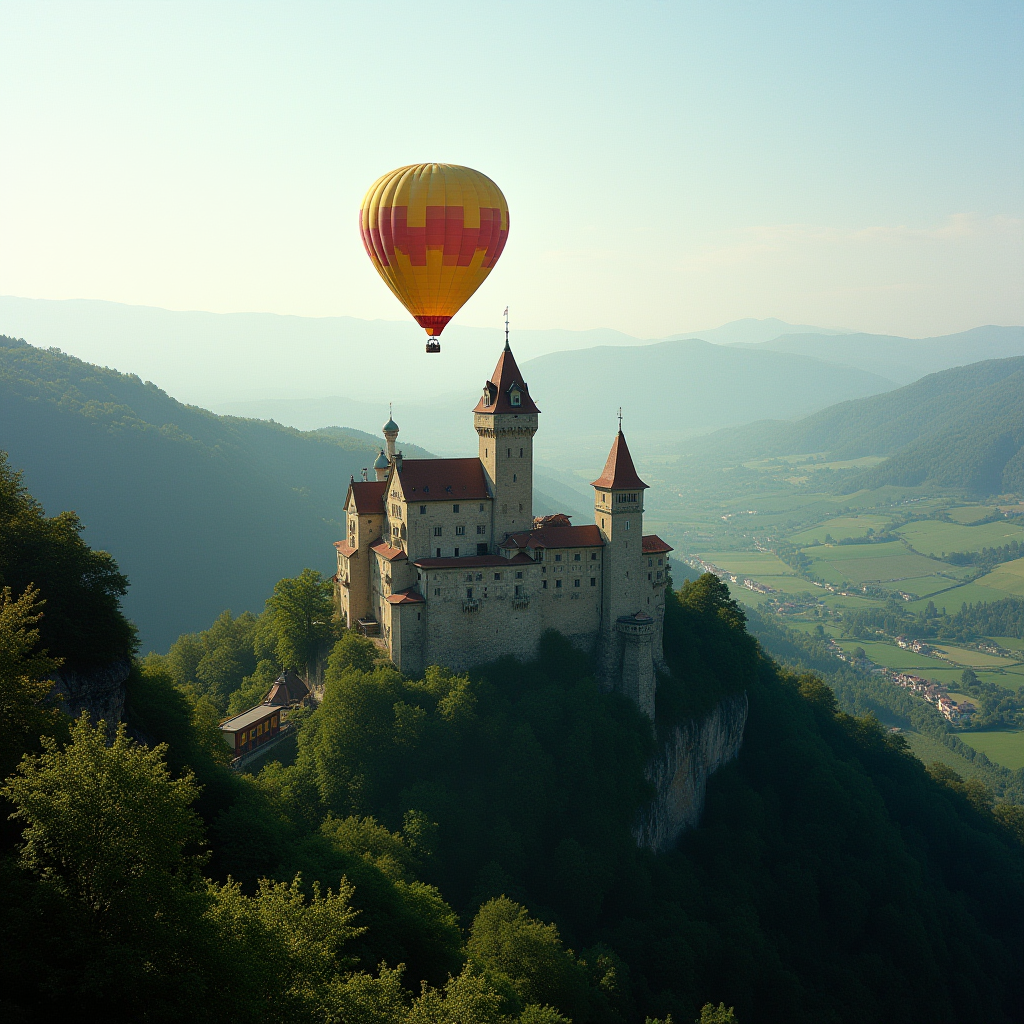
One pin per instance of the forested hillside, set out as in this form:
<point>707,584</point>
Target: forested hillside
<point>203,512</point>
<point>458,848</point>
<point>961,429</point>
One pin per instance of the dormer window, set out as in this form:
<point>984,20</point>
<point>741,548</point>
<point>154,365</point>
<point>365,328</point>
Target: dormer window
<point>515,397</point>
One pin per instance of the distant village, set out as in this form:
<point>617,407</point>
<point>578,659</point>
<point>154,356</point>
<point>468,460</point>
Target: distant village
<point>934,693</point>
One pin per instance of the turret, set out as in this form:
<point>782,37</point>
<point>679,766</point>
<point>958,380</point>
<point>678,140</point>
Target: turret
<point>390,432</point>
<point>380,467</point>
<point>505,419</point>
<point>627,630</point>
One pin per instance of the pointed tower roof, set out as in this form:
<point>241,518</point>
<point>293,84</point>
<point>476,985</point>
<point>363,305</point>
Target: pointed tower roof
<point>506,375</point>
<point>619,473</point>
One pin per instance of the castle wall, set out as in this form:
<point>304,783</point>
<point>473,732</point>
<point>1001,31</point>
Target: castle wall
<point>420,539</point>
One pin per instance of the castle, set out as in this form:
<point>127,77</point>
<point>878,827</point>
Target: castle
<point>444,559</point>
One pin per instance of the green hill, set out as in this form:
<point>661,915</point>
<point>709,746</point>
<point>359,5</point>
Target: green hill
<point>962,428</point>
<point>202,512</point>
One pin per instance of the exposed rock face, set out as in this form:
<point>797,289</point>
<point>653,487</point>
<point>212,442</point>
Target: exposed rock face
<point>681,769</point>
<point>99,691</point>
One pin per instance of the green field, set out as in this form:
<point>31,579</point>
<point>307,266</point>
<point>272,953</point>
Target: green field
<point>891,656</point>
<point>935,538</point>
<point>1004,746</point>
<point>971,513</point>
<point>749,563</point>
<point>840,529</point>
<point>1011,643</point>
<point>1008,577</point>
<point>875,563</point>
<point>927,749</point>
<point>969,593</point>
<point>973,659</point>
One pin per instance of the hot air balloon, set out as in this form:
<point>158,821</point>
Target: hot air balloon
<point>434,232</point>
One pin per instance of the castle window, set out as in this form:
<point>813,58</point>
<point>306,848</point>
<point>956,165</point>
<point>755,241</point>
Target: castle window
<point>659,574</point>
<point>593,556</point>
<point>469,577</point>
<point>481,529</point>
<point>543,584</point>
<point>437,531</point>
<point>437,591</point>
<point>480,576</point>
<point>576,582</point>
<point>469,593</point>
<point>519,590</point>
<point>520,453</point>
<point>515,398</point>
<point>558,558</point>
<point>497,575</point>
<point>513,481</point>
<point>438,552</point>
<point>519,575</point>
<point>648,577</point>
<point>650,562</point>
<point>593,581</point>
<point>423,510</point>
<point>460,531</point>
<point>558,584</point>
<point>455,509</point>
<point>417,616</point>
<point>508,454</point>
<point>660,561</point>
<point>576,557</point>
<point>627,524</point>
<point>456,552</point>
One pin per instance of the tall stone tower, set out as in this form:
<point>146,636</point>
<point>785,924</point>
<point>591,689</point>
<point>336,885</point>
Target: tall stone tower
<point>626,654</point>
<point>505,419</point>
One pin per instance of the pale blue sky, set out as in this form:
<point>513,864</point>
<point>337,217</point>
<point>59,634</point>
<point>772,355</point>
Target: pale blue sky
<point>668,166</point>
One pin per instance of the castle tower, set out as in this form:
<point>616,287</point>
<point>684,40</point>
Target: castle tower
<point>505,419</point>
<point>626,656</point>
<point>390,432</point>
<point>381,465</point>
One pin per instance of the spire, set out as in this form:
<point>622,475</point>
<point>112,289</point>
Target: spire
<point>507,349</point>
<point>619,472</point>
<point>498,390</point>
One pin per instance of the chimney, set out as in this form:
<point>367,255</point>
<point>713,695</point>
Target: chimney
<point>398,461</point>
<point>364,474</point>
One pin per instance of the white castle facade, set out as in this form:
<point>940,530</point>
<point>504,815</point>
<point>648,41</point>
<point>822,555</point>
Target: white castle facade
<point>444,560</point>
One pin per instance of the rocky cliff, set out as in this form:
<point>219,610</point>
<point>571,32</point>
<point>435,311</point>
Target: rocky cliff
<point>99,691</point>
<point>681,769</point>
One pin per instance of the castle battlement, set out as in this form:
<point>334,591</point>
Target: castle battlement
<point>444,560</point>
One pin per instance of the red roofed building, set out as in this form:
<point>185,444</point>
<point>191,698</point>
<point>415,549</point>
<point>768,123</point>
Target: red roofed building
<point>445,558</point>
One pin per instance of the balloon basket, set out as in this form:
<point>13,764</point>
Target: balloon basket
<point>433,346</point>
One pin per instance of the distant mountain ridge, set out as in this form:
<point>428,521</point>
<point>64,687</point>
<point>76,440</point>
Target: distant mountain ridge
<point>903,359</point>
<point>962,428</point>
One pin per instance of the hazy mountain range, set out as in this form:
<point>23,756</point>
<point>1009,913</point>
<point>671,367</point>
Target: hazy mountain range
<point>961,429</point>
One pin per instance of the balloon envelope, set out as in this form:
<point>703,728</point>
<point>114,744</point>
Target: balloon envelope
<point>434,233</point>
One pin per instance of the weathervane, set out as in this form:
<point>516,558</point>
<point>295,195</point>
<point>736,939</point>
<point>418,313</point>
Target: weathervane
<point>620,419</point>
<point>506,327</point>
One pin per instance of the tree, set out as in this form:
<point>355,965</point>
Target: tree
<point>299,619</point>
<point>84,624</point>
<point>25,682</point>
<point>110,829</point>
<point>711,1014</point>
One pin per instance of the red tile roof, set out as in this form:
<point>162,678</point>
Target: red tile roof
<point>345,548</point>
<point>469,562</point>
<point>410,596</point>
<point>652,544</point>
<point>369,495</point>
<point>619,473</point>
<point>556,537</point>
<point>506,373</point>
<point>558,519</point>
<point>443,480</point>
<point>383,548</point>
